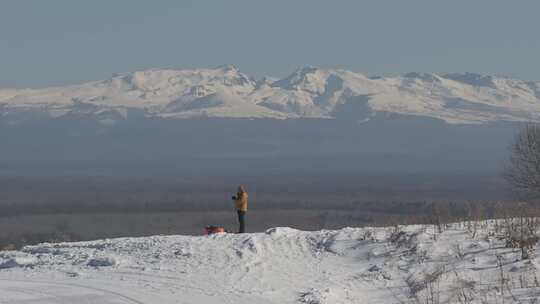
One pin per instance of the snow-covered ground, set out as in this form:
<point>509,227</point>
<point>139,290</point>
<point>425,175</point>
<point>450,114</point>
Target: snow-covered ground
<point>410,264</point>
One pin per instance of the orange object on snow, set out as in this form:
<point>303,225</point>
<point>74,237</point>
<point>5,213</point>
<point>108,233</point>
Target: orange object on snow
<point>214,229</point>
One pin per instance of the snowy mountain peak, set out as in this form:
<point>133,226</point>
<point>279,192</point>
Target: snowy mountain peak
<point>422,76</point>
<point>301,78</point>
<point>472,79</point>
<point>307,92</point>
<point>228,67</point>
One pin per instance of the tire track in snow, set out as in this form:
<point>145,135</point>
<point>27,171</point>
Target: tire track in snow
<point>105,291</point>
<point>178,282</point>
<point>36,292</point>
<point>163,277</point>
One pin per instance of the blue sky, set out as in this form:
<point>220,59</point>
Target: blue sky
<point>57,42</point>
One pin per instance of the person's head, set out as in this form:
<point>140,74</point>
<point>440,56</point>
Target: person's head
<point>241,189</point>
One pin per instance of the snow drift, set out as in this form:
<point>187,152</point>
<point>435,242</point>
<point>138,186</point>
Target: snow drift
<point>409,264</point>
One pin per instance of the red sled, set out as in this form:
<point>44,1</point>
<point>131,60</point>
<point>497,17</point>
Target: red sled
<point>213,229</point>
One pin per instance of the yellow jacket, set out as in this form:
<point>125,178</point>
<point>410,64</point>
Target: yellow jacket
<point>241,202</point>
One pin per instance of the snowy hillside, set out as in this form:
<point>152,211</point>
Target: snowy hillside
<point>412,264</point>
<point>307,92</point>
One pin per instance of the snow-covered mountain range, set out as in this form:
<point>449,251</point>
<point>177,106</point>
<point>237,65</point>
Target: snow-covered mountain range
<point>308,92</point>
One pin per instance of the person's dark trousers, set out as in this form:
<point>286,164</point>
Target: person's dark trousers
<point>242,221</point>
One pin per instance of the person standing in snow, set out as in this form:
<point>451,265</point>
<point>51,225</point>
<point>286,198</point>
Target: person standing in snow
<point>241,204</point>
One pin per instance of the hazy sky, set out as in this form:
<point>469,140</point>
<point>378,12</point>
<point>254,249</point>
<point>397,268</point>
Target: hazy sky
<point>57,42</point>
